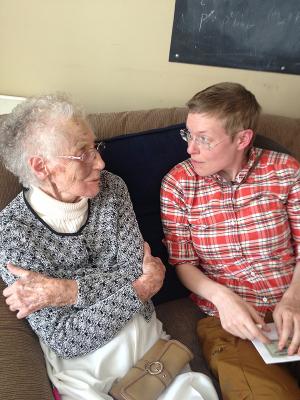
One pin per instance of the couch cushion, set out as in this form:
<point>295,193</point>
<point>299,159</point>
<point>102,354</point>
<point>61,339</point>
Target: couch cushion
<point>179,318</point>
<point>142,159</point>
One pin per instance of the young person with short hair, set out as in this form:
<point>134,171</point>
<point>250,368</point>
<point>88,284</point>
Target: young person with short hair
<point>231,218</point>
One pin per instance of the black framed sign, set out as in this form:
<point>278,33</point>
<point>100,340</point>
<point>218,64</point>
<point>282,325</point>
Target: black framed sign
<point>259,35</point>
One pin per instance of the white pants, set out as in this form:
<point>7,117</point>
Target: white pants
<point>90,377</point>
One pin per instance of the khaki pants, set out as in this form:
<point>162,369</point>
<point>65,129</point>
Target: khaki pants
<point>242,373</point>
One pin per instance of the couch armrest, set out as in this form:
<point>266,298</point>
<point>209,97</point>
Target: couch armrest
<point>22,368</point>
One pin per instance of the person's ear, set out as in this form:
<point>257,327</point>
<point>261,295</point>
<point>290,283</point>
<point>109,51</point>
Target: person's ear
<point>38,167</point>
<point>244,138</point>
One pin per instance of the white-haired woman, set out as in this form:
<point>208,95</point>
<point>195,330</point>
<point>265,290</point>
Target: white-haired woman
<point>73,257</point>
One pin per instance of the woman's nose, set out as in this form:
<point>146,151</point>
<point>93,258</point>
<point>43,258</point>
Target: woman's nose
<point>192,147</point>
<point>98,162</point>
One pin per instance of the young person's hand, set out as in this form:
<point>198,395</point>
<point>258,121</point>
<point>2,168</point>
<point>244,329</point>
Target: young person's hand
<point>287,319</point>
<point>239,317</point>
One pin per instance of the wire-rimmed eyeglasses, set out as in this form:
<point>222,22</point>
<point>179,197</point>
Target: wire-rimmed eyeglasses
<point>89,155</point>
<point>201,141</point>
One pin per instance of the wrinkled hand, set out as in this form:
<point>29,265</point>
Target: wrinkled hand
<point>34,291</point>
<point>239,318</point>
<point>148,284</point>
<point>287,320</point>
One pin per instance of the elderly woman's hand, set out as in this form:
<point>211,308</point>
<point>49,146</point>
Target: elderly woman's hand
<point>148,284</point>
<point>34,291</point>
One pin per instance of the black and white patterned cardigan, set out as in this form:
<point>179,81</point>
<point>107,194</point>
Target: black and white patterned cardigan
<point>104,256</point>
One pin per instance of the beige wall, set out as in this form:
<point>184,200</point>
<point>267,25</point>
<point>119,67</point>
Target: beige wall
<point>113,55</point>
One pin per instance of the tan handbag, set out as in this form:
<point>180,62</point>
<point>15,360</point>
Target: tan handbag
<point>153,372</point>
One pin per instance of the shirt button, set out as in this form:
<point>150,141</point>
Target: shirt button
<point>265,300</point>
<point>253,273</point>
<point>233,223</point>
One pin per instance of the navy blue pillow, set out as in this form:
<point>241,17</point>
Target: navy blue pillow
<point>142,159</point>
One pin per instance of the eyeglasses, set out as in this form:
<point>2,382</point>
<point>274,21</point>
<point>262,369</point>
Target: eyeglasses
<point>89,155</point>
<point>201,141</point>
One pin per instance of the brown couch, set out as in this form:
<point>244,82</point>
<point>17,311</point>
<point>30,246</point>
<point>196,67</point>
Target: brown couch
<point>22,369</point>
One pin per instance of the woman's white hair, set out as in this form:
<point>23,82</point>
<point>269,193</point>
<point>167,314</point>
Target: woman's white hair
<point>34,127</point>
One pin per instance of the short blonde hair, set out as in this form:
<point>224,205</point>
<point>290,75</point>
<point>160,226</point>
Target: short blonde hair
<point>230,102</point>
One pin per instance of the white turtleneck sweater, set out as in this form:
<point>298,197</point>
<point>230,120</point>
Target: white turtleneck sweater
<point>60,216</point>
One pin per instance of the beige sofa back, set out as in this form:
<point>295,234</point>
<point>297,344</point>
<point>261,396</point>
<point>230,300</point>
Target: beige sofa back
<point>284,130</point>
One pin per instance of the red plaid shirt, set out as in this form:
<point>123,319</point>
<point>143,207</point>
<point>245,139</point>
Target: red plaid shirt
<point>244,234</point>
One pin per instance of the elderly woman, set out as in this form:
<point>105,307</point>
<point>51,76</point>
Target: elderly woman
<point>73,257</point>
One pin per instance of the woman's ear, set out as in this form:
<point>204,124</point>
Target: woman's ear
<point>38,166</point>
<point>245,138</point>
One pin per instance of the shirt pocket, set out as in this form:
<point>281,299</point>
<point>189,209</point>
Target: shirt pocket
<point>267,206</point>
<point>263,199</point>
